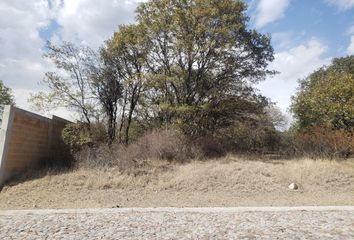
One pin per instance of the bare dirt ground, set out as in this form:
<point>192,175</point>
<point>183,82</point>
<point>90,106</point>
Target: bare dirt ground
<point>227,182</point>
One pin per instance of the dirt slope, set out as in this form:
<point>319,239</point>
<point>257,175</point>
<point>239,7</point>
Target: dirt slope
<point>224,182</point>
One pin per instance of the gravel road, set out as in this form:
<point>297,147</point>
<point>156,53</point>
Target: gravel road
<point>179,223</point>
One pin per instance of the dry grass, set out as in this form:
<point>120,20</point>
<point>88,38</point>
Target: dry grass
<point>229,181</point>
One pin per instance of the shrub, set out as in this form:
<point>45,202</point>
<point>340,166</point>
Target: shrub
<point>251,138</point>
<point>208,147</point>
<point>76,135</point>
<point>324,142</point>
<point>79,135</point>
<point>162,144</point>
<point>168,145</point>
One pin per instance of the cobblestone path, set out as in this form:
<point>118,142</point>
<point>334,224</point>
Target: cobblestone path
<point>179,223</point>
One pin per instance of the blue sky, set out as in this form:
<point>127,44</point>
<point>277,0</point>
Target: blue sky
<point>305,35</point>
<point>303,20</point>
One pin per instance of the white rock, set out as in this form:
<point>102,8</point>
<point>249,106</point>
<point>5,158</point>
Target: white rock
<point>293,186</point>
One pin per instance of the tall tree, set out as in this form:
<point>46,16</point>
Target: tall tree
<point>71,85</point>
<point>202,53</point>
<point>127,51</point>
<point>86,82</point>
<point>326,97</point>
<point>108,87</point>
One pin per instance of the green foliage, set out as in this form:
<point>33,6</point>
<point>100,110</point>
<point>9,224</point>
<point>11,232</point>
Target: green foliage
<point>190,64</point>
<point>201,50</point>
<point>6,97</point>
<point>76,135</point>
<point>208,118</point>
<point>79,135</point>
<point>127,51</point>
<point>326,97</point>
<point>256,135</point>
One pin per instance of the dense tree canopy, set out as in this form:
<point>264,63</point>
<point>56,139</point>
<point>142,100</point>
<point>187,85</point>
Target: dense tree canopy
<point>190,64</point>
<point>187,58</point>
<point>326,97</point>
<point>202,49</point>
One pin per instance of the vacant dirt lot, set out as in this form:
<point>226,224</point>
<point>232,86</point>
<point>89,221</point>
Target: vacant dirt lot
<point>230,181</point>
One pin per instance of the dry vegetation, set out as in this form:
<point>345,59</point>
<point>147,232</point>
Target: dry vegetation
<point>229,181</point>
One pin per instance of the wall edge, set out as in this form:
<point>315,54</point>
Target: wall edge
<point>5,137</point>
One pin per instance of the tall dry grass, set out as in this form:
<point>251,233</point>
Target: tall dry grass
<point>168,145</point>
<point>227,174</point>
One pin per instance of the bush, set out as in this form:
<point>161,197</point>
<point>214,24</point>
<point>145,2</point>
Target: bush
<point>248,138</point>
<point>76,135</point>
<point>209,147</point>
<point>80,135</point>
<point>324,142</point>
<point>168,145</point>
<point>163,144</point>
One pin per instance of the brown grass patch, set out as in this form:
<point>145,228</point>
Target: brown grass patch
<point>229,181</point>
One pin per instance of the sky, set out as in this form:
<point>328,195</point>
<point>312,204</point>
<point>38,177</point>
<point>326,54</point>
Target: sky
<point>306,35</point>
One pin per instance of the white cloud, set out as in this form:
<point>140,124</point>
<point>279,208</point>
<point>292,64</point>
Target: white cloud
<point>83,21</point>
<point>270,11</point>
<point>20,101</point>
<point>293,64</point>
<point>350,30</point>
<point>342,5</point>
<point>91,22</point>
<point>287,39</point>
<point>350,49</point>
<point>21,62</point>
<point>282,40</point>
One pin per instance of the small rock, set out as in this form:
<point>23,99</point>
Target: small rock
<point>293,186</point>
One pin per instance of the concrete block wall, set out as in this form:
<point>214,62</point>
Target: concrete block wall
<point>27,140</point>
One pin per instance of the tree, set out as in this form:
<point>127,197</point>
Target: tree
<point>127,52</point>
<point>326,97</point>
<point>184,57</point>
<point>184,62</point>
<point>6,97</point>
<point>275,116</point>
<point>108,87</point>
<point>201,54</point>
<point>85,82</point>
<point>71,85</point>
